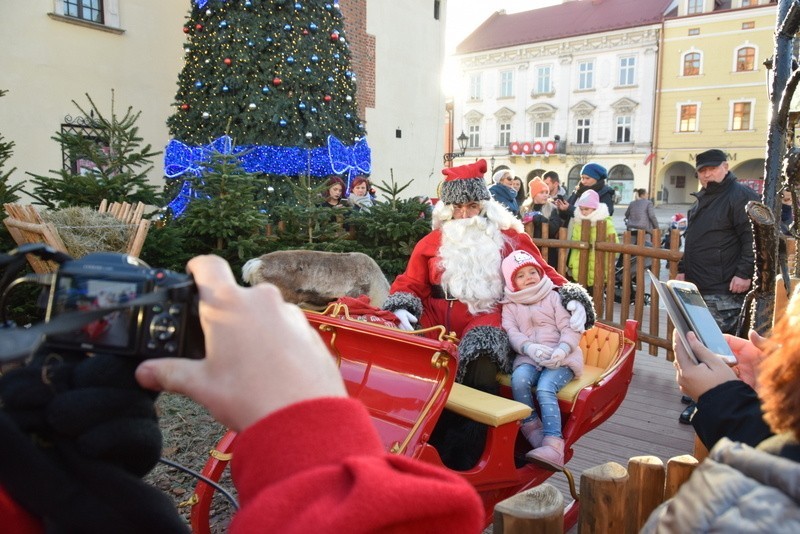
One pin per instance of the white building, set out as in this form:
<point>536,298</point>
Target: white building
<point>557,87</point>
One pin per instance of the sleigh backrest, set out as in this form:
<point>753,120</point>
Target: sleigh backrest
<point>402,379</point>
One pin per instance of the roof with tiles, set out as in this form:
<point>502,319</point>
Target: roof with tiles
<point>570,19</point>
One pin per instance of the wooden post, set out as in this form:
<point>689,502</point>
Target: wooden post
<point>602,509</point>
<point>645,490</point>
<point>539,509</point>
<point>679,469</point>
<point>700,450</point>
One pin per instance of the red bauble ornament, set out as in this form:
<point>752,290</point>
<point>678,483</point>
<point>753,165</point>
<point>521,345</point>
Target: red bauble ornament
<point>327,98</point>
<point>335,36</point>
<point>276,81</point>
<point>305,32</point>
<point>184,107</point>
<point>227,61</point>
<point>198,27</point>
<point>186,29</point>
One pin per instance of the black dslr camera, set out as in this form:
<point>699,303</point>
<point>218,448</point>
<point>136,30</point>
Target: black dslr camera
<point>106,303</point>
<point>135,325</point>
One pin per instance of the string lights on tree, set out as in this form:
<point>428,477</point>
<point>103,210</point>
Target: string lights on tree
<point>271,75</point>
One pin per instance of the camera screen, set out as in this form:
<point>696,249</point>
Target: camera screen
<point>86,294</point>
<point>701,321</point>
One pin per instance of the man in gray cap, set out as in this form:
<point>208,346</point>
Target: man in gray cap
<point>718,253</point>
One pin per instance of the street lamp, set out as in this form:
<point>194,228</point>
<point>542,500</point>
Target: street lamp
<point>462,144</point>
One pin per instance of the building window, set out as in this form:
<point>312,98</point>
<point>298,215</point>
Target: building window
<point>691,64</point>
<point>582,133</point>
<point>748,3</point>
<point>91,10</point>
<point>541,129</point>
<point>624,129</point>
<point>748,25</point>
<point>586,75</point>
<point>694,6</point>
<point>504,138</point>
<point>543,80</point>
<point>745,59</point>
<point>474,136</point>
<point>741,116</point>
<point>475,87</point>
<point>694,31</point>
<point>688,118</point>
<point>627,70</point>
<point>506,84</point>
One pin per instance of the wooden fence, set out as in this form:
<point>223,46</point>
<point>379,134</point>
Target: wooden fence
<point>644,484</point>
<point>617,291</point>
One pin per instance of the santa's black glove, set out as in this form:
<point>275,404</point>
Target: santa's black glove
<point>76,433</point>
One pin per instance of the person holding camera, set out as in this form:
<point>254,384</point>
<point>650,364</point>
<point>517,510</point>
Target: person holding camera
<point>265,370</point>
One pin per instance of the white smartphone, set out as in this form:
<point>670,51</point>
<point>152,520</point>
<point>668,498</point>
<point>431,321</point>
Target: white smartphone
<point>699,319</point>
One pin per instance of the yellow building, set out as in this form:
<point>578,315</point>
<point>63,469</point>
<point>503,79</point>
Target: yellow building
<point>712,92</point>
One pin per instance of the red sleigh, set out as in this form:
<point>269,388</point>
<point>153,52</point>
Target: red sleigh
<point>406,380</point>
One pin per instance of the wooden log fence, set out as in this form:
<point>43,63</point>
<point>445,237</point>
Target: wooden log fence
<point>612,498</point>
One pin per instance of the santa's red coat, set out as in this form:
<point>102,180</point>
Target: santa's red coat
<point>424,270</point>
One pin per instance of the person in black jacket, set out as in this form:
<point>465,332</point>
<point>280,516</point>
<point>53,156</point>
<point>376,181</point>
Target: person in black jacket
<point>718,244</point>
<point>593,176</point>
<point>718,253</point>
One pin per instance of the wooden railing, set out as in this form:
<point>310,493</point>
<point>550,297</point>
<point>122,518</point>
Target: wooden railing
<point>621,296</point>
<point>643,485</point>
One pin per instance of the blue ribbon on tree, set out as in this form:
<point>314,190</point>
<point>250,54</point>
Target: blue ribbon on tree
<point>353,160</point>
<point>335,158</point>
<point>201,3</point>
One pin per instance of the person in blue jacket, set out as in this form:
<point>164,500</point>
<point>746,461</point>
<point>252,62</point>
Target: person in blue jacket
<point>503,190</point>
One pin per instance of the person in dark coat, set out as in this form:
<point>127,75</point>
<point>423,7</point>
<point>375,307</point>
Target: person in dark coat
<point>593,176</point>
<point>718,252</point>
<point>503,191</point>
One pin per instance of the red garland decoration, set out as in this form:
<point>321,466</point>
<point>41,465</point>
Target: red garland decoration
<point>526,147</point>
<point>550,147</point>
<point>514,148</point>
<point>538,147</point>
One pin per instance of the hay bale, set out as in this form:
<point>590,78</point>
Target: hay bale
<point>84,230</point>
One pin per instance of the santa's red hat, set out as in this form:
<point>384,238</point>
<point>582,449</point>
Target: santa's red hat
<point>464,183</point>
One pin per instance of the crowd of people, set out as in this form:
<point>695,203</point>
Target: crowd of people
<point>480,275</point>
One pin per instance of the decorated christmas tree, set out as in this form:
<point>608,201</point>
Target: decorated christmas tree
<point>275,76</point>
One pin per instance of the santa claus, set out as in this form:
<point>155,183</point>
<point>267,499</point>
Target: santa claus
<point>453,277</point>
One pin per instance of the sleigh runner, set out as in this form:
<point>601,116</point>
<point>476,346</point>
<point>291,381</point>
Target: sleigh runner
<point>406,381</point>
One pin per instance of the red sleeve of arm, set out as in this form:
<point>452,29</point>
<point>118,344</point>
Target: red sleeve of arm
<point>15,519</point>
<point>319,465</point>
<point>522,241</point>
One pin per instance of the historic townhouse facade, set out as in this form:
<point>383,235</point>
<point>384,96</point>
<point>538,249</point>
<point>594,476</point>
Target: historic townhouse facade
<point>55,51</point>
<point>557,87</point>
<point>713,91</point>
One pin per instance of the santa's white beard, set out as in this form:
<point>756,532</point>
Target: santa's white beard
<point>470,260</point>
